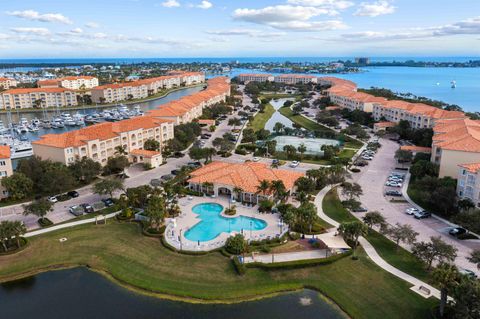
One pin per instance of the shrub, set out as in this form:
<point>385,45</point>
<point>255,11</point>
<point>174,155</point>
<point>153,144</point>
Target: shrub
<point>231,211</point>
<point>294,236</point>
<point>355,170</point>
<point>45,222</point>
<point>236,244</point>
<point>239,267</point>
<point>147,166</point>
<point>240,151</point>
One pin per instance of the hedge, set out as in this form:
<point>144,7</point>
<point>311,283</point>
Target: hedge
<point>44,222</point>
<point>23,245</point>
<point>299,263</point>
<point>239,266</point>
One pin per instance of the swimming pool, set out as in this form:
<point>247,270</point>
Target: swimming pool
<point>212,224</point>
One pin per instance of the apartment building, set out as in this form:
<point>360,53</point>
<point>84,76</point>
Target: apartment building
<point>98,141</point>
<point>5,167</point>
<point>82,82</point>
<point>455,142</point>
<point>352,100</point>
<point>468,182</point>
<point>188,108</point>
<point>37,97</point>
<point>419,115</point>
<point>251,77</point>
<point>333,81</point>
<point>6,83</point>
<point>143,88</point>
<point>295,79</point>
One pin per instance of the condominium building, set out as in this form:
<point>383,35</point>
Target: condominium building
<point>99,141</point>
<point>143,88</point>
<point>468,182</point>
<point>352,100</point>
<point>6,83</point>
<point>419,115</point>
<point>5,167</point>
<point>251,77</point>
<point>295,79</point>
<point>70,82</point>
<point>455,142</point>
<point>37,97</point>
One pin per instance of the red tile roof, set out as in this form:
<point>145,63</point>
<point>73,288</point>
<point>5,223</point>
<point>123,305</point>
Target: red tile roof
<point>34,90</point>
<point>457,135</point>
<point>472,167</point>
<point>416,149</point>
<point>145,153</point>
<point>5,151</point>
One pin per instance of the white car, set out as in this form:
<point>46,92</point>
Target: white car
<point>393,184</point>
<point>411,211</point>
<point>255,159</point>
<point>294,164</point>
<point>53,199</point>
<point>366,157</point>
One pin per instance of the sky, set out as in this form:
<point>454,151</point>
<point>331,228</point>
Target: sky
<point>240,28</point>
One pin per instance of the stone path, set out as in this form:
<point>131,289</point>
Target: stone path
<point>375,257</point>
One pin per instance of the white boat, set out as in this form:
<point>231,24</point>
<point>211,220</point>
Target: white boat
<point>70,122</point>
<point>21,149</point>
<point>23,122</point>
<point>65,116</point>
<point>454,84</point>
<point>122,108</point>
<point>35,122</point>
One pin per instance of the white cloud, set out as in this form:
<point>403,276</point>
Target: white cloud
<point>32,31</point>
<point>465,27</point>
<point>205,5</point>
<point>36,16</point>
<point>76,30</point>
<point>170,4</point>
<point>92,25</point>
<point>333,4</point>
<point>375,9</point>
<point>288,17</point>
<point>246,32</point>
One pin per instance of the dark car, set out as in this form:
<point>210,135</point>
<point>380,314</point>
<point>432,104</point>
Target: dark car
<point>73,194</point>
<point>204,137</point>
<point>194,164</point>
<point>178,154</point>
<point>167,177</point>
<point>87,208</point>
<point>108,202</point>
<point>175,172</point>
<point>275,162</point>
<point>360,210</point>
<point>156,182</point>
<point>457,231</point>
<point>393,193</point>
<point>422,215</point>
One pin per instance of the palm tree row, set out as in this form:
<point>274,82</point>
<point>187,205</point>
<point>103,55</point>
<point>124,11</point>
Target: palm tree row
<point>10,232</point>
<point>276,188</point>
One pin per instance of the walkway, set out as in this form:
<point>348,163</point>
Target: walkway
<point>284,257</point>
<point>66,225</point>
<point>372,253</point>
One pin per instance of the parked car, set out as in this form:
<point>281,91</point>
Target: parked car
<point>87,208</point>
<point>294,164</point>
<point>73,194</point>
<point>367,158</point>
<point>204,137</point>
<point>393,193</point>
<point>76,210</point>
<point>53,199</point>
<point>255,159</point>
<point>412,211</point>
<point>359,210</point>
<point>175,172</point>
<point>393,184</point>
<point>422,214</point>
<point>457,231</point>
<point>167,177</point>
<point>178,154</point>
<point>275,162</point>
<point>156,182</point>
<point>194,164</point>
<point>108,202</point>
<point>468,273</point>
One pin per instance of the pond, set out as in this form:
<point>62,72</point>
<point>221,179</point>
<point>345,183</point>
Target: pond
<point>277,116</point>
<point>313,145</point>
<point>79,293</point>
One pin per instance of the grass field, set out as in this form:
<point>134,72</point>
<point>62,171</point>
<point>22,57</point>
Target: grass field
<point>360,288</point>
<point>401,258</point>
<point>261,119</point>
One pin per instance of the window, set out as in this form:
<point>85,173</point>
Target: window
<point>3,173</point>
<point>3,163</point>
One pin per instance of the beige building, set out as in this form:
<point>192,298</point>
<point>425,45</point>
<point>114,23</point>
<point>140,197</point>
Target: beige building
<point>5,167</point>
<point>250,77</point>
<point>6,83</point>
<point>295,79</point>
<point>81,82</point>
<point>455,142</point>
<point>352,100</point>
<point>152,158</point>
<point>143,88</point>
<point>99,141</point>
<point>37,97</point>
<point>468,182</point>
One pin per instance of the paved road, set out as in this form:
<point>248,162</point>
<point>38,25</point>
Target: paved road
<point>372,180</point>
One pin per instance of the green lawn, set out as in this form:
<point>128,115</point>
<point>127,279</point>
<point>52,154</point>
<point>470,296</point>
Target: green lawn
<point>361,288</point>
<point>401,258</point>
<point>261,119</point>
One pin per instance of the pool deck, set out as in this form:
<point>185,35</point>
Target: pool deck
<point>176,228</point>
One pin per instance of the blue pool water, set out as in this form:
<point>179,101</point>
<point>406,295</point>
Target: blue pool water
<point>212,224</point>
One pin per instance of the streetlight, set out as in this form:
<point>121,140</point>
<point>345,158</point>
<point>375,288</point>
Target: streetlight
<point>180,238</point>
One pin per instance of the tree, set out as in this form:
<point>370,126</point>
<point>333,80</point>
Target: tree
<point>308,214</point>
<point>155,210</point>
<point>290,151</point>
<point>263,187</point>
<point>403,156</point>
<point>402,233</point>
<point>234,122</point>
<point>238,191</point>
<point>465,204</point>
<point>151,145</point>
<point>39,208</point>
<point>18,185</point>
<point>108,186</point>
<point>466,294</point>
<point>236,244</point>
<point>435,250</point>
<point>138,196</point>
<point>278,128</point>
<point>302,149</point>
<point>120,150</point>
<point>265,205</point>
<point>352,190</point>
<point>278,189</point>
<point>271,146</point>
<point>18,229</point>
<point>445,276</point>
<point>262,134</point>
<point>116,164</point>
<point>6,232</point>
<point>351,231</point>
<point>85,170</point>
<point>374,218</point>
<point>475,258</point>
<point>305,184</point>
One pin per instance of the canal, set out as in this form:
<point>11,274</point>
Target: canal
<point>79,293</point>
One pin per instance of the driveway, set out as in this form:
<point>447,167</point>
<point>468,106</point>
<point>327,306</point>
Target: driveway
<point>372,179</point>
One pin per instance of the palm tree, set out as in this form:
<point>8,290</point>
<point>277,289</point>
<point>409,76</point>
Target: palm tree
<point>302,149</point>
<point>278,127</point>
<point>18,229</point>
<point>278,189</point>
<point>234,122</point>
<point>5,233</point>
<point>207,186</point>
<point>445,275</point>
<point>351,231</point>
<point>238,191</point>
<point>270,145</point>
<point>302,197</point>
<point>263,187</point>
<point>120,150</point>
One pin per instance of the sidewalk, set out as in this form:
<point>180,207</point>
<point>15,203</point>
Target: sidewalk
<point>372,253</point>
<point>284,257</point>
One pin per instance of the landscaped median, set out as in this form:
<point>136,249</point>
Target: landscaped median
<point>119,250</point>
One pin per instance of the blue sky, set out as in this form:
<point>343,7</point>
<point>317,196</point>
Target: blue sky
<point>216,28</point>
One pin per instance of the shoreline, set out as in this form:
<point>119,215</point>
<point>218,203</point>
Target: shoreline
<point>100,106</point>
<point>171,297</point>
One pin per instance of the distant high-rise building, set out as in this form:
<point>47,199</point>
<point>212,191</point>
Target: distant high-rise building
<point>362,60</point>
